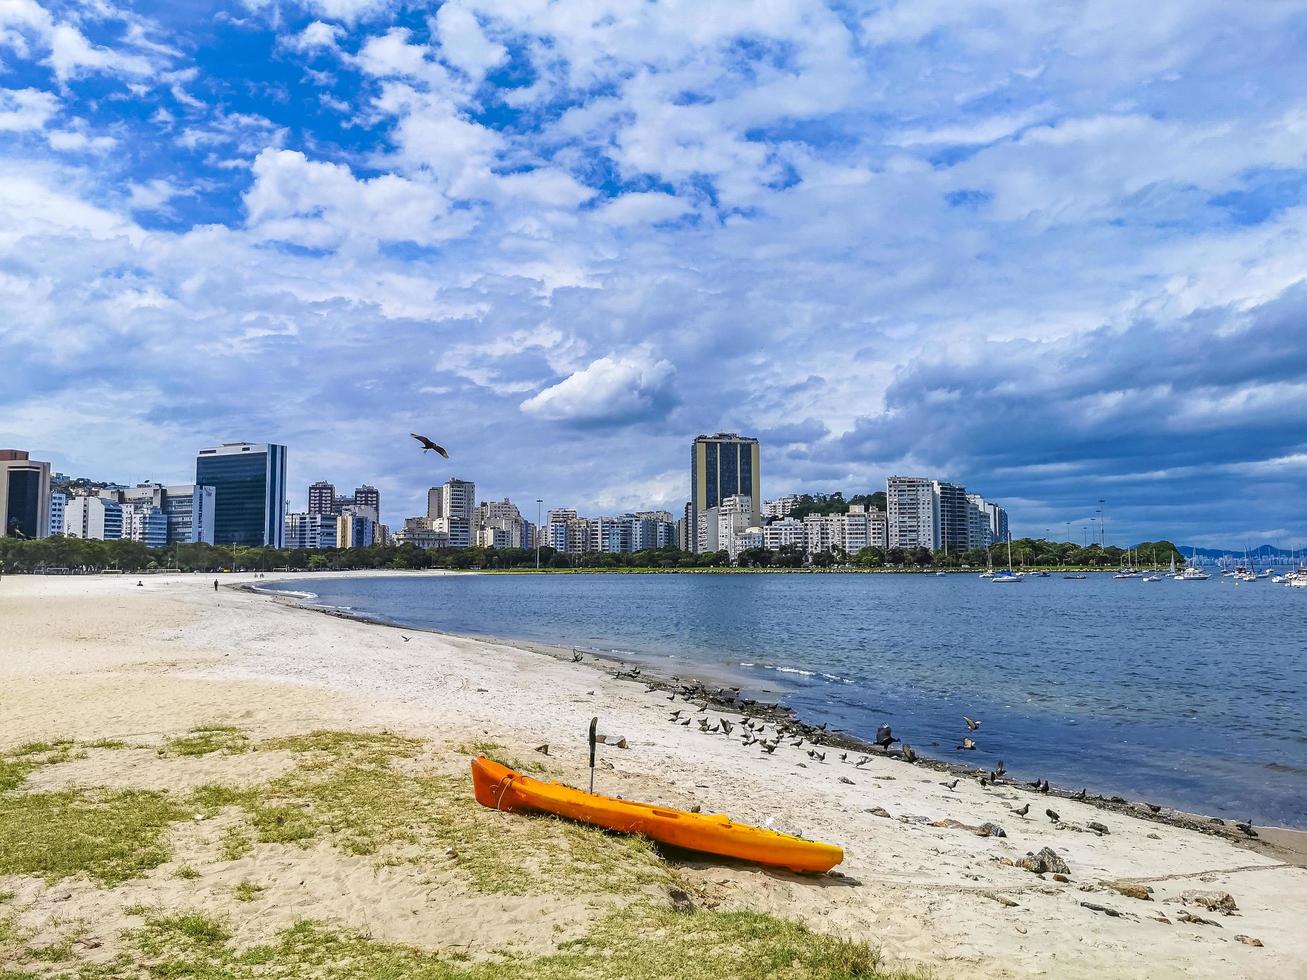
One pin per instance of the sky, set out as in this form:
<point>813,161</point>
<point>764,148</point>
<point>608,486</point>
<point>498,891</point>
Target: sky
<point>1054,251</point>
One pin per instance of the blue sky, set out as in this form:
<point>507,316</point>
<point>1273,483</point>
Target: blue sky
<point>1052,250</point>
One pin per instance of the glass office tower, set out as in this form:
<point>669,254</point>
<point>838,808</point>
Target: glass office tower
<point>24,495</point>
<point>249,482</point>
<point>721,466</point>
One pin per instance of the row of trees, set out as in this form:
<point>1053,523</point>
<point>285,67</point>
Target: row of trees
<point>81,555</point>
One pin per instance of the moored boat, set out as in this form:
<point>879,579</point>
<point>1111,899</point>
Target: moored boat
<point>500,788</point>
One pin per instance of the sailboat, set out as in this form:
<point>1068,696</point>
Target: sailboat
<point>1192,573</point>
<point>1007,575</point>
<point>989,565</point>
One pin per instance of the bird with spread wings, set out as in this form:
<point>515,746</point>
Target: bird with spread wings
<point>428,444</point>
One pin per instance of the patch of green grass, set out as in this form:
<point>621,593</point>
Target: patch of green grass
<point>109,836</point>
<point>15,766</point>
<point>643,942</point>
<point>7,895</point>
<point>106,743</point>
<point>206,740</point>
<point>246,891</point>
<point>186,873</point>
<point>235,844</point>
<point>349,791</point>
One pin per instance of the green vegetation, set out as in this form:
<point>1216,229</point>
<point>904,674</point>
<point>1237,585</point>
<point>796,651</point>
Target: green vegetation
<point>644,942</point>
<point>246,891</point>
<point>186,873</point>
<point>109,836</point>
<point>207,739</point>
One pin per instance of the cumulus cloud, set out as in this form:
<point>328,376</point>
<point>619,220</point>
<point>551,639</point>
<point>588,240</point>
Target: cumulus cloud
<point>1073,259</point>
<point>614,390</point>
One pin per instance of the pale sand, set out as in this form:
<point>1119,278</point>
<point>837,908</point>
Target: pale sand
<point>91,658</point>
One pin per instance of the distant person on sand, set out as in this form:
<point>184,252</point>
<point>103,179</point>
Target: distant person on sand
<point>215,585</point>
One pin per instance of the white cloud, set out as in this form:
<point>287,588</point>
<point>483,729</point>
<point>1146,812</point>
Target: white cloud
<point>464,44</point>
<point>348,11</point>
<point>26,109</point>
<point>75,140</point>
<point>610,391</point>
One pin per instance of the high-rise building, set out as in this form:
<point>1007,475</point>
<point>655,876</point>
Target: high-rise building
<point>951,520</point>
<point>250,484</point>
<point>322,498</point>
<point>910,512</point>
<point>24,495</point>
<point>455,499</point>
<point>188,512</point>
<point>979,532</point>
<point>786,531</point>
<point>556,524</point>
<point>310,532</point>
<point>724,465</point>
<point>781,506</point>
<point>96,518</point>
<point>356,528</point>
<point>145,523</point>
<point>366,496</point>
<point>58,501</point>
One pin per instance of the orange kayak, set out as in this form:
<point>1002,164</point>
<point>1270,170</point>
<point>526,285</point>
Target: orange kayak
<point>500,788</point>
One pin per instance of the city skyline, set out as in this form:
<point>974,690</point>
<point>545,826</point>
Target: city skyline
<point>1068,268</point>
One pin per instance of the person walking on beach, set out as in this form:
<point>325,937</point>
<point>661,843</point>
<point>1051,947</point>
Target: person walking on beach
<point>215,585</point>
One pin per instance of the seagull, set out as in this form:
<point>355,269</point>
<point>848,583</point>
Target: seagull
<point>1081,795</point>
<point>885,737</point>
<point>405,638</point>
<point>1052,815</point>
<point>952,785</point>
<point>726,726</point>
<point>971,724</point>
<point>1000,769</point>
<point>427,445</point>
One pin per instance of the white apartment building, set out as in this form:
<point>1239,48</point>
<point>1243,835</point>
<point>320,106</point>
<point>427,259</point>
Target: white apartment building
<point>58,502</point>
<point>311,531</point>
<point>911,515</point>
<point>822,532</point>
<point>145,523</point>
<point>735,515</point>
<point>780,507</point>
<point>706,531</point>
<point>786,531</point>
<point>454,499</point>
<point>93,518</point>
<point>744,541</point>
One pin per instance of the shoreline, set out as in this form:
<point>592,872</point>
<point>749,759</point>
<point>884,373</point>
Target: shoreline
<point>1287,842</point>
<point>102,658</point>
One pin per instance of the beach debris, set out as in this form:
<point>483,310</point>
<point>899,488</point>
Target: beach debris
<point>877,811</point>
<point>1156,808</point>
<point>909,754</point>
<point>622,743</point>
<point>1159,917</point>
<point>1213,901</point>
<point>1062,878</point>
<point>1131,889</point>
<point>972,724</point>
<point>1093,907</point>
<point>1052,815</point>
<point>696,808</point>
<point>601,739</point>
<point>801,765</point>
<point>1247,828</point>
<point>577,656</point>
<point>1154,836</point>
<point>1047,861</point>
<point>968,744</point>
<point>984,830</point>
<point>681,901</point>
<point>1196,920</point>
<point>1023,811</point>
<point>1001,899</point>
<point>885,737</point>
<point>543,749</point>
<point>1248,940</point>
<point>1097,828</point>
<point>846,779</point>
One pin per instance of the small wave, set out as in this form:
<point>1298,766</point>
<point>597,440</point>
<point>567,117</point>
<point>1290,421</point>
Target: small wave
<point>307,596</point>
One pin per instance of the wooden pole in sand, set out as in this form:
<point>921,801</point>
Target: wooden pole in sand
<point>594,724</point>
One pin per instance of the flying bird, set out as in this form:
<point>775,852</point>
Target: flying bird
<point>427,444</point>
<point>971,724</point>
<point>885,737</point>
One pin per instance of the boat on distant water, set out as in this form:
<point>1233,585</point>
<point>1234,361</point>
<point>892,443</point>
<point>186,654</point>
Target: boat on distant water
<point>1192,573</point>
<point>1075,577</point>
<point>1007,575</point>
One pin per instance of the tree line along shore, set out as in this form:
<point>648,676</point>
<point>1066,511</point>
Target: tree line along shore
<point>79,555</point>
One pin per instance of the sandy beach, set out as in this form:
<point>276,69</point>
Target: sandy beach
<point>101,660</point>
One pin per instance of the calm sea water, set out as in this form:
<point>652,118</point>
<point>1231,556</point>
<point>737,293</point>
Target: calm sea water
<point>1191,695</point>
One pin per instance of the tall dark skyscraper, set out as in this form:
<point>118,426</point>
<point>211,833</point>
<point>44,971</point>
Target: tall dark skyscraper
<point>366,496</point>
<point>721,466</point>
<point>24,495</point>
<point>322,498</point>
<point>249,480</point>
